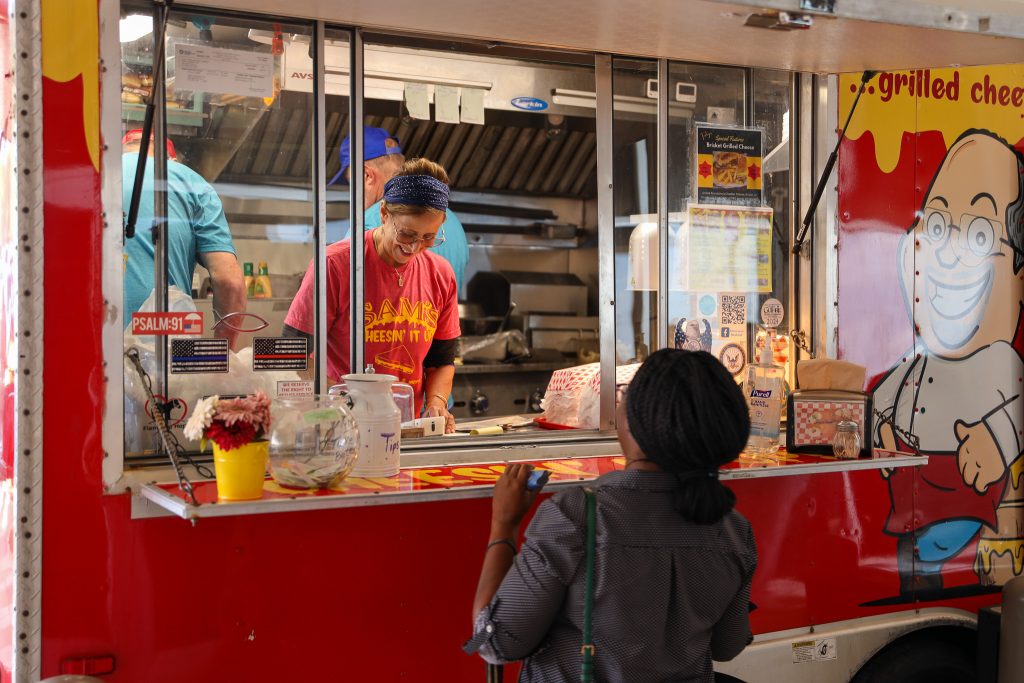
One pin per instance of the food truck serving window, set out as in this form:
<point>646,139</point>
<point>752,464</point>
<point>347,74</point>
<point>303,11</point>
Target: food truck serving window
<point>508,308</point>
<point>519,236</point>
<point>236,217</point>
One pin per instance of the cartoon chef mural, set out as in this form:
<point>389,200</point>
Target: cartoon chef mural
<point>960,392</point>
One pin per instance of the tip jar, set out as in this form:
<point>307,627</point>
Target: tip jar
<point>314,441</point>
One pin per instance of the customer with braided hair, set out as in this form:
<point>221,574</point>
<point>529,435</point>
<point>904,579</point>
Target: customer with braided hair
<point>712,425</point>
<point>673,560</point>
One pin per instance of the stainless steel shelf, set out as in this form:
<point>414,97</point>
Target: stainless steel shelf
<point>498,368</point>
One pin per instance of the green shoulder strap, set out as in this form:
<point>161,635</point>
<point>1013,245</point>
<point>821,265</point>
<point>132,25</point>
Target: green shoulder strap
<point>588,651</point>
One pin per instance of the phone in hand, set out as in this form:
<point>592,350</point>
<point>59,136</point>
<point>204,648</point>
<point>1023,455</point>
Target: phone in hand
<point>537,480</point>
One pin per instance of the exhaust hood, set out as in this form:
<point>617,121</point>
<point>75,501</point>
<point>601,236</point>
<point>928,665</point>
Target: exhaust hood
<point>506,83</point>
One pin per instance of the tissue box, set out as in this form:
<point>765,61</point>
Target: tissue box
<point>812,416</point>
<point>826,373</point>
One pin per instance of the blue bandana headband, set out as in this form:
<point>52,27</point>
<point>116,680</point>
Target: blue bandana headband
<point>417,190</point>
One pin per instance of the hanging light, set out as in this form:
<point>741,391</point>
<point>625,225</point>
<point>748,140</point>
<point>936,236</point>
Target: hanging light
<point>643,258</point>
<point>135,26</point>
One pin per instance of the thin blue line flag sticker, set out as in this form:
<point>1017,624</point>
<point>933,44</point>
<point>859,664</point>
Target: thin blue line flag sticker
<point>190,356</point>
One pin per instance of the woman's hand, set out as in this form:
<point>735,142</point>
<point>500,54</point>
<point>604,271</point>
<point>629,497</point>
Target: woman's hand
<point>436,407</point>
<point>512,500</point>
<point>511,503</point>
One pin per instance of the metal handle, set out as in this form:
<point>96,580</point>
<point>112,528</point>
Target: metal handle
<point>167,440</point>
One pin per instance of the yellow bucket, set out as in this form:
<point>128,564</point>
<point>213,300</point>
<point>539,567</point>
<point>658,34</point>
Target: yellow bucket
<point>241,471</point>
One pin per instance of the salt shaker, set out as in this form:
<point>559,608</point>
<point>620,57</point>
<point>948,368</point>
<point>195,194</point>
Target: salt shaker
<point>846,444</point>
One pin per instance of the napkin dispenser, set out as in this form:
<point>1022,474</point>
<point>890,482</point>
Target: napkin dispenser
<point>829,393</point>
<point>812,416</point>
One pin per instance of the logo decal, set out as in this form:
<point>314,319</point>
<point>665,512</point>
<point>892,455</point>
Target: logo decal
<point>529,103</point>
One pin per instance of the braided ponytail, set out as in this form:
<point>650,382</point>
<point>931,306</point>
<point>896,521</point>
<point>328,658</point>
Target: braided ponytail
<point>687,414</point>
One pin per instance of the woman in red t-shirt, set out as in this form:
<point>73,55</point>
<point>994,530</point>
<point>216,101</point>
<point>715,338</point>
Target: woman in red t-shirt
<point>411,320</point>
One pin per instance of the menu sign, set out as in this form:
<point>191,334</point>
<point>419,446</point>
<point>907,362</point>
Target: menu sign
<point>728,167</point>
<point>727,249</point>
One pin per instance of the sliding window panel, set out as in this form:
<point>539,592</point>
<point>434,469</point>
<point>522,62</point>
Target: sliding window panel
<point>727,248</point>
<point>635,169</point>
<point>506,280</point>
<point>240,228</point>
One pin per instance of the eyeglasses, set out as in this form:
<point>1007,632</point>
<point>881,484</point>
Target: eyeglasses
<point>410,237</point>
<point>977,237</point>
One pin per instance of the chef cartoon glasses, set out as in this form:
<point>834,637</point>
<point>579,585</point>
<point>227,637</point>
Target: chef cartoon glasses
<point>976,238</point>
<point>410,237</point>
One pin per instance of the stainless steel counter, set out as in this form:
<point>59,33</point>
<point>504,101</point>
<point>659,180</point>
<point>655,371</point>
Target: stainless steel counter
<point>494,368</point>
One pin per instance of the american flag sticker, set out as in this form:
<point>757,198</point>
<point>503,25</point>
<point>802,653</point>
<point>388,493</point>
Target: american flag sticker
<point>194,323</point>
<point>199,355</point>
<point>280,353</point>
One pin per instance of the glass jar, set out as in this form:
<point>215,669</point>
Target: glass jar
<point>846,444</point>
<point>314,441</point>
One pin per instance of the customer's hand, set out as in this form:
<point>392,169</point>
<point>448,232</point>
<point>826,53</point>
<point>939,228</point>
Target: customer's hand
<point>511,498</point>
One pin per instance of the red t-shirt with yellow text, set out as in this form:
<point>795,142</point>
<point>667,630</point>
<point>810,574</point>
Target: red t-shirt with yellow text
<point>400,322</point>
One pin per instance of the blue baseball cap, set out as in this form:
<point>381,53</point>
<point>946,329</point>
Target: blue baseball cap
<point>375,144</point>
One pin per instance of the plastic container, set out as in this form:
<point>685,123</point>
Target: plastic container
<point>314,441</point>
<point>764,388</point>
<point>249,278</point>
<point>404,395</point>
<point>379,419</point>
<point>261,288</point>
<point>405,399</point>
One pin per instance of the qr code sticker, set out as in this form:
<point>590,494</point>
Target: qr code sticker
<point>734,309</point>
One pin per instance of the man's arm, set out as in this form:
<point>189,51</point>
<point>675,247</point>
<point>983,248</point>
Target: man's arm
<point>989,446</point>
<point>229,294</point>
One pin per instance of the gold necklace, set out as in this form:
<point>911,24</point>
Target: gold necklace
<point>376,246</point>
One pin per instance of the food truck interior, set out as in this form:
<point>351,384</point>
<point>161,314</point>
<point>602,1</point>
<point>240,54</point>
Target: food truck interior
<point>517,130</point>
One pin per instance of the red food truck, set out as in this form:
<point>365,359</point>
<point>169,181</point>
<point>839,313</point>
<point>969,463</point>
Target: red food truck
<point>599,226</point>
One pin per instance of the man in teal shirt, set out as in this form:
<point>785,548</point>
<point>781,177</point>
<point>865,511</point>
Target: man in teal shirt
<point>197,232</point>
<point>383,160</point>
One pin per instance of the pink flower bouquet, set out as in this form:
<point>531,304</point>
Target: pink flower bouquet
<point>230,422</point>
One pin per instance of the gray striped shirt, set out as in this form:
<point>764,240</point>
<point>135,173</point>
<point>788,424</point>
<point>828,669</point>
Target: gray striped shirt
<point>670,595</point>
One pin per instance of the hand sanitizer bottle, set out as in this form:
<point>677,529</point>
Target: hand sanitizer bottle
<point>764,388</point>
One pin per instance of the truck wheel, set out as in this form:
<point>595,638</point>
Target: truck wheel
<point>919,660</point>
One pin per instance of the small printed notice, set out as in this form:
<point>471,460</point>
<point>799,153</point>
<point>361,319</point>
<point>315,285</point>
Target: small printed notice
<point>279,353</point>
<point>472,106</point>
<point>165,324</point>
<point>294,389</point>
<point>820,650</point>
<point>728,249</point>
<point>189,356</point>
<point>728,166</point>
<point>417,101</point>
<point>772,313</point>
<point>221,70</point>
<point>446,104</point>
